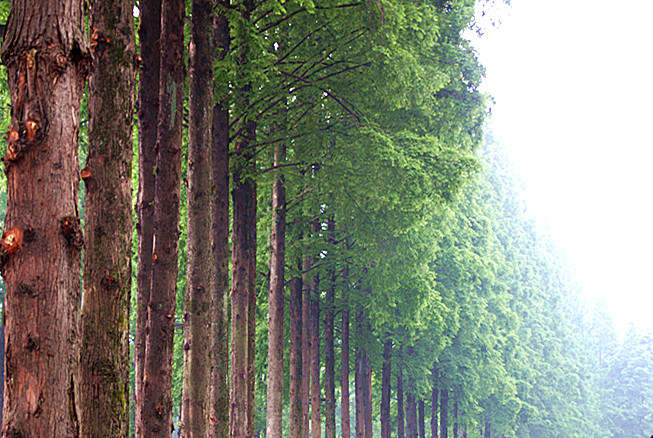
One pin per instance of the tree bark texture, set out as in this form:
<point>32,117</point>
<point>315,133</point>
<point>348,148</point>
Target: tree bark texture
<point>306,341</point>
<point>148,110</point>
<point>104,323</point>
<point>359,383</point>
<point>199,289</point>
<point>295,372</point>
<point>344,376</point>
<point>444,411</point>
<point>386,376</point>
<point>411,416</point>
<point>329,349</point>
<point>47,57</point>
<point>316,391</point>
<point>157,377</point>
<point>400,405</point>
<point>251,309</point>
<point>219,416</point>
<point>276,300</point>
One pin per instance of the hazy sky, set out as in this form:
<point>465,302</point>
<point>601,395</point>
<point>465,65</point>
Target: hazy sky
<point>572,81</point>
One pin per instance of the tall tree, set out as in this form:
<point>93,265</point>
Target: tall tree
<point>157,376</point>
<point>296,355</point>
<point>219,416</point>
<point>104,323</point>
<point>199,288</point>
<point>148,110</point>
<point>344,369</point>
<point>329,347</point>
<point>47,56</point>
<point>386,389</point>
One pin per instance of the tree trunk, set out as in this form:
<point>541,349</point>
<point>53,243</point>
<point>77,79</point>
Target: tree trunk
<point>306,342</point>
<point>316,392</point>
<point>104,324</point>
<point>219,417</point>
<point>400,405</point>
<point>444,407</point>
<point>157,396</point>
<point>367,394</point>
<point>251,309</point>
<point>295,372</point>
<point>411,416</point>
<point>243,245</point>
<point>420,419</point>
<point>276,300</point>
<point>199,289</point>
<point>344,372</point>
<point>148,110</point>
<point>47,56</point>
<point>386,388</point>
<point>434,410</point>
<point>359,382</point>
<point>488,429</point>
<point>455,419</point>
<point>329,349</point>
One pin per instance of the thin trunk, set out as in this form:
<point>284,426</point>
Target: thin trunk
<point>219,416</point>
<point>386,389</point>
<point>198,304</point>
<point>316,392</point>
<point>276,300</point>
<point>329,349</point>
<point>488,429</point>
<point>359,381</point>
<point>295,373</point>
<point>47,57</point>
<point>157,390</point>
<point>444,408</point>
<point>420,419</point>
<point>243,245</point>
<point>455,419</point>
<point>251,310</point>
<point>411,416</point>
<point>148,110</point>
<point>400,405</point>
<point>434,410</point>
<point>306,342</point>
<point>367,394</point>
<point>344,376</point>
<point>104,323</point>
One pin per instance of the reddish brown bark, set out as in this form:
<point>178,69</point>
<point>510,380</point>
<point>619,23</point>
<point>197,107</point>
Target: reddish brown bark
<point>386,375</point>
<point>329,350</point>
<point>367,395</point>
<point>306,342</point>
<point>148,110</point>
<point>276,300</point>
<point>47,56</point>
<point>157,377</point>
<point>344,378</point>
<point>359,382</point>
<point>199,288</point>
<point>104,323</point>
<point>251,313</point>
<point>295,373</point>
<point>316,391</point>
<point>219,416</point>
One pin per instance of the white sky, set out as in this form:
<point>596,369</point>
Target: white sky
<point>572,81</point>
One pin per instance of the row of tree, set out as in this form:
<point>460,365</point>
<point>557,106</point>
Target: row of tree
<point>329,209</point>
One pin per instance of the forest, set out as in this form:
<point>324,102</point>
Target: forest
<point>282,218</point>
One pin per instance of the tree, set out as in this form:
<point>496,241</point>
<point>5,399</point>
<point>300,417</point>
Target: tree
<point>157,376</point>
<point>104,322</point>
<point>199,287</point>
<point>47,56</point>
